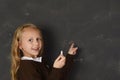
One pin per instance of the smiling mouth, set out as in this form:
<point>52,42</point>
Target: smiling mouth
<point>37,49</point>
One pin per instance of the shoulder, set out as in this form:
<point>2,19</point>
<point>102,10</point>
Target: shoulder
<point>28,70</point>
<point>27,66</point>
<point>26,63</point>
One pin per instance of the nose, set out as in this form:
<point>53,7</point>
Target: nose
<point>36,43</point>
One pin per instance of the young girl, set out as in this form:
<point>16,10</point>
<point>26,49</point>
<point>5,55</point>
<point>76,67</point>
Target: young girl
<point>27,62</point>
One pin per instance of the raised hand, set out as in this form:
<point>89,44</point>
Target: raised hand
<point>72,49</point>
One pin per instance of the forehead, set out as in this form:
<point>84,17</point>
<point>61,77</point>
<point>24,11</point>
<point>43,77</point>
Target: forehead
<point>30,32</point>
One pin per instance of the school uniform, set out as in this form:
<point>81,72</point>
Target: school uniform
<point>37,69</point>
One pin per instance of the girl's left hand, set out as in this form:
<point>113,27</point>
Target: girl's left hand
<point>72,49</point>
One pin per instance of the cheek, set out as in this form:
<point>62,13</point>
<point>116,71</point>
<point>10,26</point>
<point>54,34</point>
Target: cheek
<point>23,45</point>
<point>40,45</point>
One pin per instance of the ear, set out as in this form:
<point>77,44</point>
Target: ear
<point>20,46</point>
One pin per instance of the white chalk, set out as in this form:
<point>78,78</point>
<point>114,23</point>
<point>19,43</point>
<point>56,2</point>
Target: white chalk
<point>61,52</point>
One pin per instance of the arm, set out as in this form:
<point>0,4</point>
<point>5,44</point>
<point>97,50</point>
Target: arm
<point>69,57</point>
<point>56,73</point>
<point>64,66</point>
<point>69,61</point>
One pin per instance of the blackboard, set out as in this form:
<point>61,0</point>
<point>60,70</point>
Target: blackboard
<point>92,24</point>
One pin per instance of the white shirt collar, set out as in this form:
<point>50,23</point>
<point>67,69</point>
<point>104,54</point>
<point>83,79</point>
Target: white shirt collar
<point>37,59</point>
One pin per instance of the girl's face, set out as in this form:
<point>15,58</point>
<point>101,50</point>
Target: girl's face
<point>30,42</point>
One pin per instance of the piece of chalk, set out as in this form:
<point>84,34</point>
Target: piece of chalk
<point>61,52</point>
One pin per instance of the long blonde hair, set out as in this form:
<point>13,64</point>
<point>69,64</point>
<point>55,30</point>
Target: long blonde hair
<point>16,53</point>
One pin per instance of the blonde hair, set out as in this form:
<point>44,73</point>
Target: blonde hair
<point>16,53</point>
